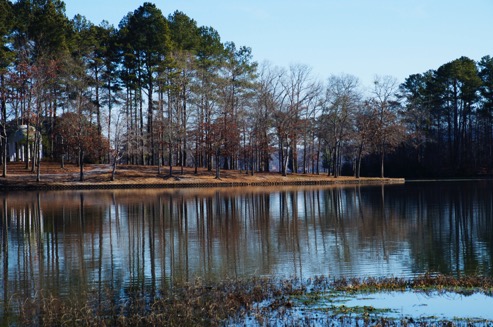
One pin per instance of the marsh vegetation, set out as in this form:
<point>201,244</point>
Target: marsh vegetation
<point>319,301</point>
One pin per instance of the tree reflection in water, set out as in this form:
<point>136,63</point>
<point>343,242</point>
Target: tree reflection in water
<point>67,243</point>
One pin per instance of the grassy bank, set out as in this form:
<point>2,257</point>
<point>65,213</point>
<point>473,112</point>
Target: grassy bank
<point>54,177</point>
<point>254,302</point>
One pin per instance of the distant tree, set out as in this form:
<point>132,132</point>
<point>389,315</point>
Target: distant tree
<point>74,126</point>
<point>80,135</point>
<point>40,39</point>
<point>42,27</point>
<point>205,94</point>
<point>6,59</point>
<point>310,111</point>
<point>45,75</point>
<point>298,90</point>
<point>146,38</point>
<point>485,112</point>
<point>217,140</point>
<point>457,84</point>
<point>185,38</point>
<point>362,135</point>
<point>237,76</point>
<point>112,97</point>
<point>268,96</point>
<point>272,98</point>
<point>87,47</point>
<point>486,75</point>
<point>116,144</point>
<point>423,147</point>
<point>336,124</point>
<point>384,125</point>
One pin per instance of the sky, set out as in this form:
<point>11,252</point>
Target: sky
<point>364,38</point>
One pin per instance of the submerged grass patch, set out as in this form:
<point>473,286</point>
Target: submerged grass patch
<point>434,282</point>
<point>253,302</point>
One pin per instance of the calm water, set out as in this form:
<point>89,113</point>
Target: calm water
<point>67,242</point>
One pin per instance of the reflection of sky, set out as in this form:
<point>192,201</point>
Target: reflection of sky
<point>416,304</point>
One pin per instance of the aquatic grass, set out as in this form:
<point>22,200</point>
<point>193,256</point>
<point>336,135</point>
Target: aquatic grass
<point>428,281</point>
<point>185,304</point>
<point>370,284</point>
<point>252,301</point>
<point>460,284</point>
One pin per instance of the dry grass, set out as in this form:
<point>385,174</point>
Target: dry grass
<point>53,174</point>
<point>189,304</point>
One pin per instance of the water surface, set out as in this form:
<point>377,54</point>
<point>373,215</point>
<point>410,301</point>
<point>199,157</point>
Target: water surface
<point>68,242</point>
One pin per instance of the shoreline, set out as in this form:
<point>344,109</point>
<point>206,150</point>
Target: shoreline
<point>53,177</point>
<point>54,186</point>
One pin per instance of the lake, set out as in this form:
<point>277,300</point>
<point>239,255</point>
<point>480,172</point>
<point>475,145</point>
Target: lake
<point>68,242</point>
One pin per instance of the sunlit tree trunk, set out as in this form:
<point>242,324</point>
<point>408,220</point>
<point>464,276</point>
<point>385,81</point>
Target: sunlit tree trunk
<point>3,135</point>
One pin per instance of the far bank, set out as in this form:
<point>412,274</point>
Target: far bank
<point>54,177</point>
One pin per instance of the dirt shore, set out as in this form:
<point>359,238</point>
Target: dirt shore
<point>53,176</point>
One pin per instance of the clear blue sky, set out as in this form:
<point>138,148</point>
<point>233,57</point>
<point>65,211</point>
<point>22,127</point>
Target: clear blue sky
<point>358,37</point>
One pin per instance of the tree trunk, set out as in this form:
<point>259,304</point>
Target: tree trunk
<point>98,111</point>
<point>38,170</point>
<point>170,160</point>
<point>196,159</point>
<point>81,165</point>
<point>33,156</point>
<point>218,170</point>
<point>336,161</point>
<point>382,160</point>
<point>26,148</point>
<point>358,165</point>
<point>150,123</point>
<point>285,163</point>
<point>62,163</point>
<point>141,128</point>
<point>328,158</point>
<point>37,156</point>
<point>184,124</point>
<point>304,153</point>
<point>4,128</point>
<point>4,156</point>
<point>252,165</point>
<point>159,161</point>
<point>113,169</point>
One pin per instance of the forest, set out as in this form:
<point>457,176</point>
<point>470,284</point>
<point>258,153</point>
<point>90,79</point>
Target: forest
<point>166,92</point>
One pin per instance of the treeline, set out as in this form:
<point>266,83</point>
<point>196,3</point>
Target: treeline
<point>164,91</point>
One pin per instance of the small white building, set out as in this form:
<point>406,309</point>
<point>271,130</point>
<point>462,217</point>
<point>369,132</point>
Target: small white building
<point>17,143</point>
